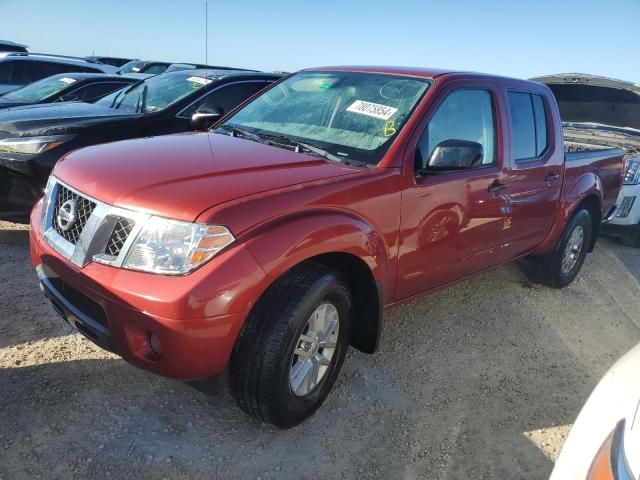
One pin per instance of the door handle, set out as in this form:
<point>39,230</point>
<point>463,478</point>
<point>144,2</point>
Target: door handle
<point>497,187</point>
<point>552,177</point>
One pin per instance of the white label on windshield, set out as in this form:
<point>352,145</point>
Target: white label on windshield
<point>135,69</point>
<point>68,80</point>
<point>200,80</point>
<point>372,109</point>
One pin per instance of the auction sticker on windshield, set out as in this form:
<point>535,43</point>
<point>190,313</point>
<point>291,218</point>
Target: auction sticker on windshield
<point>68,80</point>
<point>200,80</point>
<point>375,110</point>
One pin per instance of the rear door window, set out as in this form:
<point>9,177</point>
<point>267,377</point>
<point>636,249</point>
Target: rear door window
<point>528,125</point>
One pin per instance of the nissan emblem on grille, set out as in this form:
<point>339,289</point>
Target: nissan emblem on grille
<point>67,214</point>
<point>71,213</point>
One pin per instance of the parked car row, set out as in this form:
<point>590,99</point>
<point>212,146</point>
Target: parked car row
<point>272,237</point>
<point>270,243</point>
<point>46,118</point>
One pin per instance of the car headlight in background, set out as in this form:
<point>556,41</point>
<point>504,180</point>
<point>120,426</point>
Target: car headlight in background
<point>610,462</point>
<point>32,145</point>
<point>172,247</point>
<point>632,172</point>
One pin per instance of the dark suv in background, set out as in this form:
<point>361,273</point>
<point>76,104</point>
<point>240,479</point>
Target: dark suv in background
<point>34,138</point>
<point>66,87</point>
<point>20,68</point>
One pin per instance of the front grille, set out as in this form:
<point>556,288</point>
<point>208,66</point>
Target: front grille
<point>121,231</point>
<point>83,208</point>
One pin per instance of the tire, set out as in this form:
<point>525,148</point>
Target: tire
<point>553,268</point>
<point>264,355</point>
<point>632,239</point>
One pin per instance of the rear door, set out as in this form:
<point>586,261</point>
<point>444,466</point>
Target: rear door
<point>534,179</point>
<point>452,222</point>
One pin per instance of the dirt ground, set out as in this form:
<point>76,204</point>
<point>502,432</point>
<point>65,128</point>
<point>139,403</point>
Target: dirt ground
<point>480,381</point>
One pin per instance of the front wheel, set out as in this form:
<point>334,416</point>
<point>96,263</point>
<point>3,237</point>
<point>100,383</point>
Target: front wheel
<point>562,266</point>
<point>292,346</point>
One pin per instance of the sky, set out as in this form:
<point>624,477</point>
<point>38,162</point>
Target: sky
<point>517,38</point>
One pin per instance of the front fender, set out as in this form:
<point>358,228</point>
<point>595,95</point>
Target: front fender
<point>281,245</point>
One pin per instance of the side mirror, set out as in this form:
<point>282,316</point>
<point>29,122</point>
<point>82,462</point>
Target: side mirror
<point>455,155</point>
<point>205,117</point>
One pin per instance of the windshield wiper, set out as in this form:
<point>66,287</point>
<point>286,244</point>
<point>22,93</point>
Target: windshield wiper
<point>312,148</point>
<point>235,132</point>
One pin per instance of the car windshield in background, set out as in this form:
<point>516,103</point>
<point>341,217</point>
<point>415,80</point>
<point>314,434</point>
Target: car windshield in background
<point>155,93</point>
<point>38,91</point>
<point>142,66</point>
<point>350,116</point>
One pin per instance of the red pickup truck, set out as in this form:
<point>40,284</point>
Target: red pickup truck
<point>273,242</point>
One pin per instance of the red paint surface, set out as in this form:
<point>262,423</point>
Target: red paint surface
<point>416,234</point>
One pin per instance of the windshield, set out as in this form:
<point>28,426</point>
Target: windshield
<point>353,116</point>
<point>38,91</point>
<point>134,66</point>
<point>155,93</point>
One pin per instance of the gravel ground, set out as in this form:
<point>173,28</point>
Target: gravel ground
<point>479,381</point>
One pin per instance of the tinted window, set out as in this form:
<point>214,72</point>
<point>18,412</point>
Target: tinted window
<point>523,130</point>
<point>6,72</point>
<point>92,92</point>
<point>463,115</point>
<point>541,124</point>
<point>227,97</point>
<point>155,69</point>
<point>528,125</point>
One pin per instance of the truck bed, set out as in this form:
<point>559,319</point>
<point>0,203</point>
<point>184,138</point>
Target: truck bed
<point>605,163</point>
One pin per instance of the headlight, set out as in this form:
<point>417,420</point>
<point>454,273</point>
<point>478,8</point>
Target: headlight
<point>632,173</point>
<point>32,145</point>
<point>610,462</point>
<point>171,247</point>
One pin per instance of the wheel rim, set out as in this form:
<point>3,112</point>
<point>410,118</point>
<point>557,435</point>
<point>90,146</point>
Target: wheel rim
<point>314,350</point>
<point>573,249</point>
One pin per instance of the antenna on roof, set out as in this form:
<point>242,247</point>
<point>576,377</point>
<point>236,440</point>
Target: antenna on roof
<point>206,33</point>
<point>206,45</point>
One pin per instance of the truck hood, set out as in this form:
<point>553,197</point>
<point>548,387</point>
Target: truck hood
<point>57,118</point>
<point>181,175</point>
<point>597,110</point>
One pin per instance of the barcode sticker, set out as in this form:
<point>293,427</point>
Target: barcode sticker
<point>371,109</point>
<point>200,80</point>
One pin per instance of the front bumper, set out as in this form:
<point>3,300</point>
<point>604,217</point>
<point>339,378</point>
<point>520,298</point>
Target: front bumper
<point>629,194</point>
<point>196,318</point>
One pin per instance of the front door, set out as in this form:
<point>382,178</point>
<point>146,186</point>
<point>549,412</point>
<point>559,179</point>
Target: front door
<point>452,222</point>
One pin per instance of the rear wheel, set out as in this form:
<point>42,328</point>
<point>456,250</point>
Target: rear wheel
<point>561,267</point>
<point>292,346</point>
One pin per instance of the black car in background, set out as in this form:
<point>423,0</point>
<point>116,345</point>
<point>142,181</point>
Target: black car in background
<point>113,61</point>
<point>33,138</point>
<point>143,66</point>
<point>9,46</point>
<point>65,87</point>
<point>19,68</point>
